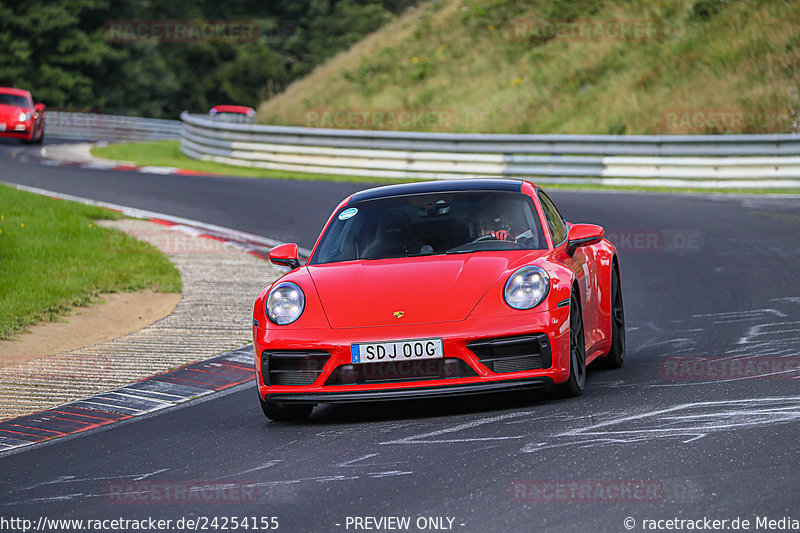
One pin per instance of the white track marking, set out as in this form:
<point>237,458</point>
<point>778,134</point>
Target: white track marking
<point>423,438</point>
<point>268,464</point>
<point>737,314</point>
<point>359,459</point>
<point>74,479</point>
<point>687,422</point>
<point>150,474</point>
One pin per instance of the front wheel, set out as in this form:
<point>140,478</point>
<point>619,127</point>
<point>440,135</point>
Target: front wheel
<point>577,351</point>
<point>280,413</point>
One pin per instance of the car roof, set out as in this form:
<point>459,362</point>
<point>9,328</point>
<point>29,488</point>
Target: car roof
<point>11,90</point>
<point>244,110</point>
<point>424,187</point>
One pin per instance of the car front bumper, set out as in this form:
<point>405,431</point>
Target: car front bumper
<point>18,130</point>
<point>331,347</point>
<point>441,391</point>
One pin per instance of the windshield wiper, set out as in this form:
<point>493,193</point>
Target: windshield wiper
<point>452,252</point>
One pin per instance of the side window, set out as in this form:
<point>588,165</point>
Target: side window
<point>558,228</point>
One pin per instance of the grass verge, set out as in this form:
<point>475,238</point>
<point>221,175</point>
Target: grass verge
<point>168,154</point>
<point>53,257</point>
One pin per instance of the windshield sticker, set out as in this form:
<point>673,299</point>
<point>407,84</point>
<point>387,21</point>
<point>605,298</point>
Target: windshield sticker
<point>348,213</point>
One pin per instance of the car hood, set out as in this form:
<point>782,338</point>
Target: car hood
<point>424,289</point>
<point>10,113</point>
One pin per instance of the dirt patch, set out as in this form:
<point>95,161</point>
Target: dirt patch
<point>119,314</point>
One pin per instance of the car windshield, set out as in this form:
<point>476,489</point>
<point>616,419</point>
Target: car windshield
<point>14,99</point>
<point>229,116</point>
<point>431,224</point>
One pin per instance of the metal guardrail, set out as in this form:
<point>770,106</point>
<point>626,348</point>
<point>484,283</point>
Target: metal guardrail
<point>771,160</point>
<point>99,127</point>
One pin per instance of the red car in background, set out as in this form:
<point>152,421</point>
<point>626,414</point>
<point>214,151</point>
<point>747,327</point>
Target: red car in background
<point>438,289</point>
<point>233,113</point>
<point>20,118</point>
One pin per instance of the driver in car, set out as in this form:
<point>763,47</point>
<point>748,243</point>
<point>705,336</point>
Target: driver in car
<point>497,221</point>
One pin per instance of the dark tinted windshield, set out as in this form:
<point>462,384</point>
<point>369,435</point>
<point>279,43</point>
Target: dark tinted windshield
<point>14,99</point>
<point>430,224</point>
<point>225,116</point>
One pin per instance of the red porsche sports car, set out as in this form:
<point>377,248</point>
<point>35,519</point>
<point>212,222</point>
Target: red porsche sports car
<point>438,289</point>
<point>232,113</point>
<point>20,117</point>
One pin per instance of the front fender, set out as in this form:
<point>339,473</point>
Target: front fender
<point>493,303</point>
<point>313,316</point>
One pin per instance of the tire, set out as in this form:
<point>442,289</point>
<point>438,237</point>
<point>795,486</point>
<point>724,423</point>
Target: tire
<point>577,351</point>
<point>40,140</point>
<point>279,413</point>
<point>616,354</point>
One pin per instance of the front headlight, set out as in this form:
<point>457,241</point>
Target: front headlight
<point>23,117</point>
<point>527,287</point>
<point>285,303</point>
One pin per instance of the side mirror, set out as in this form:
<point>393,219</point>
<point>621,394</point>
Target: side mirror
<point>285,255</point>
<point>40,107</point>
<point>583,235</point>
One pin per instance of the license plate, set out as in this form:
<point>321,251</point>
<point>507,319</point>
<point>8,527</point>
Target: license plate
<point>411,350</point>
<point>2,126</point>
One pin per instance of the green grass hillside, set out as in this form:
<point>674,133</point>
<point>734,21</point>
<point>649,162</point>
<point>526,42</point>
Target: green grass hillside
<point>54,256</point>
<point>563,66</point>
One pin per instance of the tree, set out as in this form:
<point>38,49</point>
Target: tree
<point>61,51</point>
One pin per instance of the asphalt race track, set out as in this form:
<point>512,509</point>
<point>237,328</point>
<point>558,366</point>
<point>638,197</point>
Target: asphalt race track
<point>667,436</point>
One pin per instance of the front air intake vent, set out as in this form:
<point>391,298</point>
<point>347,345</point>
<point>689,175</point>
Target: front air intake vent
<point>292,367</point>
<point>513,354</point>
<point>400,371</point>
